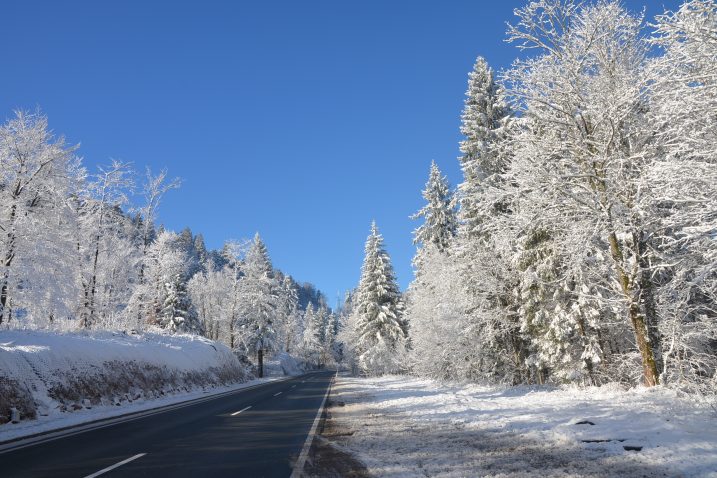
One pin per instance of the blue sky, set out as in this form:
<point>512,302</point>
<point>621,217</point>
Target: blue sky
<point>303,120</point>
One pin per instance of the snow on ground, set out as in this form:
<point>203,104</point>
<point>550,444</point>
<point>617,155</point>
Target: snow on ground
<point>60,379</point>
<point>405,427</point>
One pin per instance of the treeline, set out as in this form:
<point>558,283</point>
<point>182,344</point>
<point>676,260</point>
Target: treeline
<point>81,250</point>
<point>581,245</point>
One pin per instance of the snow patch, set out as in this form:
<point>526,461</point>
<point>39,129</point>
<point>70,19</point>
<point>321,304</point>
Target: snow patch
<point>405,427</point>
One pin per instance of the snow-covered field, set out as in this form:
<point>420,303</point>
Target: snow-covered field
<point>56,380</point>
<point>405,427</point>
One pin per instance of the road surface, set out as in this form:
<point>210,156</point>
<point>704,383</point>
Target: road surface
<point>257,432</point>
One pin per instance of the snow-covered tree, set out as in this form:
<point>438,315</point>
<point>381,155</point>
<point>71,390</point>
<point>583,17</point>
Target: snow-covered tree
<point>38,174</point>
<point>311,340</point>
<point>485,242</point>
<point>483,124</point>
<point>166,289</point>
<point>101,239</point>
<point>681,193</point>
<point>585,148</point>
<point>211,296</point>
<point>289,314</point>
<point>325,334</point>
<point>436,308</point>
<point>378,327</point>
<point>153,190</point>
<point>258,308</point>
<point>178,313</point>
<point>439,214</point>
<point>332,345</point>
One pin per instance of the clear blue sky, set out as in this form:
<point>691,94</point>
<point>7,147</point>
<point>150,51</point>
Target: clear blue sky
<point>303,120</point>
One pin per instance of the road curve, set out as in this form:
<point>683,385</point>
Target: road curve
<point>255,432</point>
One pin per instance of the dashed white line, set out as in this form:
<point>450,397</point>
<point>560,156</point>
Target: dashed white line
<point>277,394</point>
<point>293,386</point>
<point>242,410</point>
<point>116,465</point>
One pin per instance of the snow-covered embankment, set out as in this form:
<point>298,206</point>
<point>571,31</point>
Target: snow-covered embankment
<point>44,374</point>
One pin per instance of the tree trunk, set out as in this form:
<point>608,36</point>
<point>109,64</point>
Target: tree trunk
<point>640,319</point>
<point>260,362</point>
<point>647,299</point>
<point>7,262</point>
<point>231,334</point>
<point>3,299</point>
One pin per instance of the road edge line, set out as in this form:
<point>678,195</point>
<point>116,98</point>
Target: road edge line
<point>301,461</point>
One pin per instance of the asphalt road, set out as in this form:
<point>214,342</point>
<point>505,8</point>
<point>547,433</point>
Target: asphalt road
<point>207,439</point>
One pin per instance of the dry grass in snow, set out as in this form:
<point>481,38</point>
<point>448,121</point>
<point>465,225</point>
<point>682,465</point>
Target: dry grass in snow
<point>405,427</point>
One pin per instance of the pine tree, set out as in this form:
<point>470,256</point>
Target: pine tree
<point>334,330</point>
<point>259,302</point>
<point>439,213</point>
<point>378,325</point>
<point>325,334</point>
<point>311,340</point>
<point>289,313</point>
<point>178,314</point>
<point>202,252</point>
<point>483,123</point>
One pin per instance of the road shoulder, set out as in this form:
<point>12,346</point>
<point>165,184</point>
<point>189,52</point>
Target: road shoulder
<point>403,426</point>
<point>327,457</point>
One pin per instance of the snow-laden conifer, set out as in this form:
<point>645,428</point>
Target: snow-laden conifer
<point>483,124</point>
<point>378,325</point>
<point>439,213</point>
<point>289,314</point>
<point>311,340</point>
<point>259,299</point>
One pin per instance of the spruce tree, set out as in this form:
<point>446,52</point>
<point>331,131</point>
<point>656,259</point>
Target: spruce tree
<point>483,123</point>
<point>311,343</point>
<point>439,213</point>
<point>379,328</point>
<point>202,252</point>
<point>289,312</point>
<point>178,313</point>
<point>259,302</point>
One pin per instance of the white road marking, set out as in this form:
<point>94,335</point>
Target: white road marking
<point>242,410</point>
<point>301,461</point>
<point>277,394</point>
<point>293,386</point>
<point>116,465</point>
